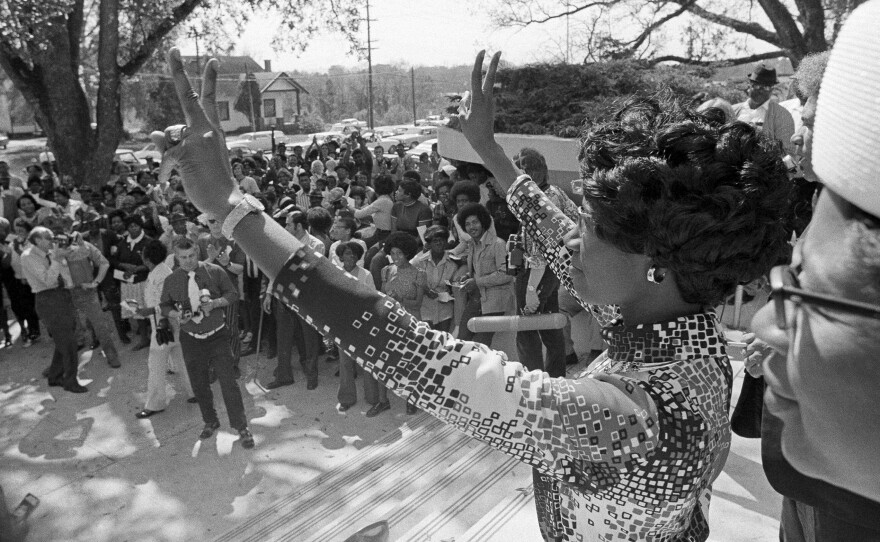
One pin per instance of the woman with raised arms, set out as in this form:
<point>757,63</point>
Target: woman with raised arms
<point>677,212</point>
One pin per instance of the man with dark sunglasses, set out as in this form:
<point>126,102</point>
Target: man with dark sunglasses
<point>821,424</point>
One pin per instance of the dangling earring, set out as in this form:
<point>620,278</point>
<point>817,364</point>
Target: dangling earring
<point>654,275</point>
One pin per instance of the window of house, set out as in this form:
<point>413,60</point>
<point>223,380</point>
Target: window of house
<point>268,108</point>
<point>223,110</point>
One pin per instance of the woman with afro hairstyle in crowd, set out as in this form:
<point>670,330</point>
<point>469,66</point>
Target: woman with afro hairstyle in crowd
<point>677,212</point>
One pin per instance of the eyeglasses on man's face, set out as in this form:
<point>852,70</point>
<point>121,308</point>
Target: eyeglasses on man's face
<point>786,286</point>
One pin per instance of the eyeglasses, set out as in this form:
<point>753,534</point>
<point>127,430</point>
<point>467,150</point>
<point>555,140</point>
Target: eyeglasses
<point>785,286</point>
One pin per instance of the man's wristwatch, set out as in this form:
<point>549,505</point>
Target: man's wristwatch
<point>246,206</point>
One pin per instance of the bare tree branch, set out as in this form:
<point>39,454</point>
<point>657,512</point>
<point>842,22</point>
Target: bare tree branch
<point>517,21</point>
<point>725,62</point>
<point>75,24</point>
<point>752,29</point>
<point>786,28</point>
<point>812,18</point>
<point>639,40</point>
<point>152,42</point>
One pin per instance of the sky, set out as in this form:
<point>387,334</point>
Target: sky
<point>412,33</point>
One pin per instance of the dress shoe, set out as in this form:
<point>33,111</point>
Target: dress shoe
<point>209,429</point>
<point>411,409</point>
<point>247,439</point>
<point>76,388</point>
<point>146,413</point>
<point>192,400</point>
<point>114,363</point>
<point>275,384</point>
<point>312,385</point>
<point>378,408</point>
<point>55,384</point>
<point>343,408</point>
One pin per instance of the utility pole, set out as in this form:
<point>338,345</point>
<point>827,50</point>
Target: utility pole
<point>412,77</point>
<point>370,64</point>
<point>250,87</point>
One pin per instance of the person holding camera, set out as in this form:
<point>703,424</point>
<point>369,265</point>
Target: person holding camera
<point>42,265</point>
<point>197,294</point>
<point>164,351</point>
<point>88,267</point>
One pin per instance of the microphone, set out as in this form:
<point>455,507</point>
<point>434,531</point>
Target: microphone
<point>484,324</point>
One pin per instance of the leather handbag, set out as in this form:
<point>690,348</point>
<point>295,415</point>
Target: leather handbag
<point>746,418</point>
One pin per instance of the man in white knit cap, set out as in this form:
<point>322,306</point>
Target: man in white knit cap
<point>821,427</point>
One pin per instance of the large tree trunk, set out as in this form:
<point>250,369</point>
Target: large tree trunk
<point>52,87</point>
<point>47,73</point>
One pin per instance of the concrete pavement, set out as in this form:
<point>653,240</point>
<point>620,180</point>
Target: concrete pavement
<point>103,475</point>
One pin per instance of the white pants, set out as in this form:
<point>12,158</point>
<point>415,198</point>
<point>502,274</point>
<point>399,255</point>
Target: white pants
<point>161,358</point>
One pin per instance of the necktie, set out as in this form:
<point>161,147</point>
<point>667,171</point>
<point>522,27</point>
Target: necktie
<point>60,279</point>
<point>194,294</point>
<point>252,270</point>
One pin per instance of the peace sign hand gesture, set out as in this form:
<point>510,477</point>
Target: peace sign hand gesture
<point>198,150</point>
<point>476,114</point>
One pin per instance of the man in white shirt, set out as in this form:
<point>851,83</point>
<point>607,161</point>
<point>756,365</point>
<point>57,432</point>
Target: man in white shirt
<point>763,112</point>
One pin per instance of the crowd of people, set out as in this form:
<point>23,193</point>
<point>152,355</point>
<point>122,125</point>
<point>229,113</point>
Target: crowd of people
<point>431,233</point>
<point>378,261</point>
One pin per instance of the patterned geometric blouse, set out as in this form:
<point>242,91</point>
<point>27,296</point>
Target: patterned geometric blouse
<point>627,451</point>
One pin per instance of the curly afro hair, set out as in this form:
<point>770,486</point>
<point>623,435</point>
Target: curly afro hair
<point>407,244</point>
<point>709,202</point>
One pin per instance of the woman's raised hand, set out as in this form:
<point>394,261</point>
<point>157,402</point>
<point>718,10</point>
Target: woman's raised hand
<point>198,150</point>
<point>477,109</point>
<point>476,114</point>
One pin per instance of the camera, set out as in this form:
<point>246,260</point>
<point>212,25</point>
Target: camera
<point>62,240</point>
<point>515,254</point>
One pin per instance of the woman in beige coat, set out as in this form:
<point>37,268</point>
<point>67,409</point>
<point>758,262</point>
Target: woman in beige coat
<point>487,272</point>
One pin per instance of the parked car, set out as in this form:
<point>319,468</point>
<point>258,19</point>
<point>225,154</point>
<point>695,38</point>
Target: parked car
<point>234,146</point>
<point>4,141</point>
<point>122,155</point>
<point>149,150</point>
<point>257,141</point>
<point>424,146</point>
<point>128,157</point>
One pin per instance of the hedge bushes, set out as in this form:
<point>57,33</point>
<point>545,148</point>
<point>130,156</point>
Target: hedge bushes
<point>558,99</point>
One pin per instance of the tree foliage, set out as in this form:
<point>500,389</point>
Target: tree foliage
<point>60,53</point>
<point>709,29</point>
